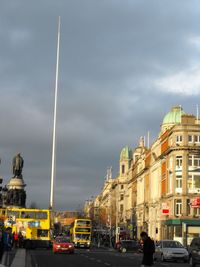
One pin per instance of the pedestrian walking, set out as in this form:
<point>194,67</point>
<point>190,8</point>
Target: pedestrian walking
<point>148,250</point>
<point>7,239</point>
<point>21,240</point>
<point>15,240</point>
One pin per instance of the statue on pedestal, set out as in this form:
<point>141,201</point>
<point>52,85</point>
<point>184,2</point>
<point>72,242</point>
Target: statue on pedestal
<point>13,194</point>
<point>17,165</point>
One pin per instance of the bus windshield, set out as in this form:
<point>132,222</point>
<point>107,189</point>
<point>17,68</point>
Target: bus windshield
<point>85,223</point>
<point>82,236</point>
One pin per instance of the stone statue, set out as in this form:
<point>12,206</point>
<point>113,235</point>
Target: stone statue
<point>17,165</point>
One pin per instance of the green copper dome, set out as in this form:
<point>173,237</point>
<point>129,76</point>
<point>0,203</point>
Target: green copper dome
<point>126,153</point>
<point>174,116</point>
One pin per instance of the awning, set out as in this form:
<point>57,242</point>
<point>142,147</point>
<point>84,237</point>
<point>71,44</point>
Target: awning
<point>180,221</point>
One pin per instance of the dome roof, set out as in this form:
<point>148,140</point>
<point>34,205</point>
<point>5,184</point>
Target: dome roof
<point>174,116</point>
<point>126,153</point>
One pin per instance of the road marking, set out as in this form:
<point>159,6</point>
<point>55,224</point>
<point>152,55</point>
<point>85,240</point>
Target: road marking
<point>107,264</point>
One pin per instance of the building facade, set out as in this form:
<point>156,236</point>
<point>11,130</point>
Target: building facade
<point>158,188</point>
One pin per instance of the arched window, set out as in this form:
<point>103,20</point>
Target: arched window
<point>123,168</point>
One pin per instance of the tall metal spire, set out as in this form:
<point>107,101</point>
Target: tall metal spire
<point>54,123</point>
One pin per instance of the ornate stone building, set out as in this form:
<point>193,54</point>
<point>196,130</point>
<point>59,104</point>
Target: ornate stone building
<point>158,188</point>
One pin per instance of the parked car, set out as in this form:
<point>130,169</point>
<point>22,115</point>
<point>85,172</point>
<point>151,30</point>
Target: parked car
<point>128,245</point>
<point>63,245</point>
<point>194,252</point>
<point>170,250</point>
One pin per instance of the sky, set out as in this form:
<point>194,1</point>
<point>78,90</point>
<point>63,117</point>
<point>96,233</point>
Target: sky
<point>123,65</point>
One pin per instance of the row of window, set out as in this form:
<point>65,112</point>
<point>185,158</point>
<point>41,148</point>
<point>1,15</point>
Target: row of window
<point>193,161</point>
<point>193,183</point>
<point>178,208</point>
<point>191,138</point>
<point>27,214</point>
<point>190,211</point>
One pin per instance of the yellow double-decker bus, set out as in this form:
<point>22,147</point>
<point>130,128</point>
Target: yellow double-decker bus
<point>33,224</point>
<point>80,232</point>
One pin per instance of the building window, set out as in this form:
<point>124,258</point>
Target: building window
<point>179,161</point>
<point>190,138</point>
<point>194,160</point>
<point>196,181</point>
<point>197,138</point>
<point>122,186</point>
<point>178,207</point>
<point>177,231</point>
<point>193,183</point>
<point>123,169</point>
<point>196,212</point>
<point>179,184</point>
<point>121,196</point>
<point>190,160</point>
<point>179,138</point>
<point>121,207</point>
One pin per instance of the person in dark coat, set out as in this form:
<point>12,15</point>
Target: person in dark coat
<point>7,239</point>
<point>148,250</point>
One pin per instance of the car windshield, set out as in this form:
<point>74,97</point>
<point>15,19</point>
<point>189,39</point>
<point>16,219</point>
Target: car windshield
<point>62,240</point>
<point>129,243</point>
<point>172,244</point>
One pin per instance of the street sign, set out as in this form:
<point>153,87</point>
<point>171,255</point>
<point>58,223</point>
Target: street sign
<point>165,208</point>
<point>195,203</point>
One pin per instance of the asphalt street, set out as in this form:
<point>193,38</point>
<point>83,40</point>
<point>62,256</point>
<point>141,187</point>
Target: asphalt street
<point>90,258</point>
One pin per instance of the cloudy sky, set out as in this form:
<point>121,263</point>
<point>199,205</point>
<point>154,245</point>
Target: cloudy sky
<point>123,65</point>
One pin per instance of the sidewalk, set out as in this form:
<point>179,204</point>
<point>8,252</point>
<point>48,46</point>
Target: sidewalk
<point>20,258</point>
<point>14,258</point>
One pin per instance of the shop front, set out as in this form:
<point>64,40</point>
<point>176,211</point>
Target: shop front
<point>181,230</point>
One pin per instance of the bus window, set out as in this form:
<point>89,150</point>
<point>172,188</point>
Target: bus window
<point>41,215</point>
<point>42,233</point>
<point>87,230</point>
<point>82,237</point>
<point>83,223</point>
<point>11,213</point>
<point>28,214</point>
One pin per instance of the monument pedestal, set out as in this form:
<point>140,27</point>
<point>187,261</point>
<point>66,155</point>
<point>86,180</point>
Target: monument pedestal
<point>14,195</point>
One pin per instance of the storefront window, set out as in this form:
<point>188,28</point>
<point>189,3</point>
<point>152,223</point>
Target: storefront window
<point>178,231</point>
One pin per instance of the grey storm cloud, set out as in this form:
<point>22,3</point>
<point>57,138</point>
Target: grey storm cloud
<point>123,64</point>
